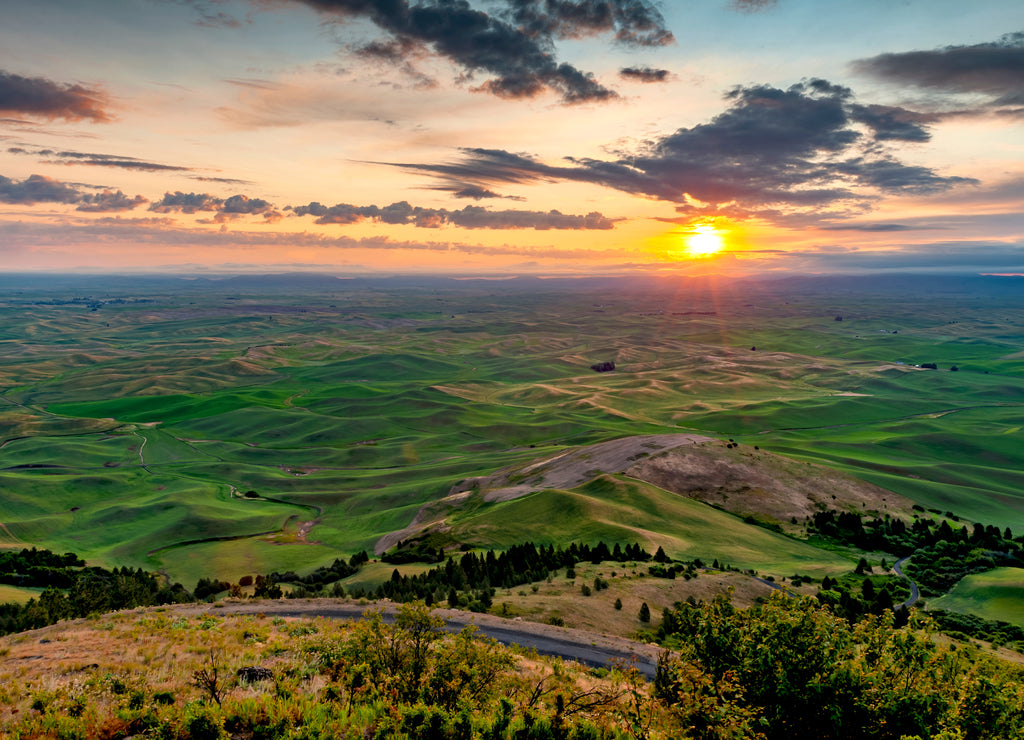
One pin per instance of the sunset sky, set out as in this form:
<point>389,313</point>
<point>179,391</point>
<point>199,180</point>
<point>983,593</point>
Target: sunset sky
<point>512,136</point>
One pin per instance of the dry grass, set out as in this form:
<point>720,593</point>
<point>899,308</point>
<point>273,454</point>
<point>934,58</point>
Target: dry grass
<point>89,672</point>
<point>563,598</point>
<point>752,482</point>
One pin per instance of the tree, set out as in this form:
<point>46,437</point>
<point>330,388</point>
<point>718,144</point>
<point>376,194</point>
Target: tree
<point>618,605</point>
<point>266,588</point>
<point>645,613</point>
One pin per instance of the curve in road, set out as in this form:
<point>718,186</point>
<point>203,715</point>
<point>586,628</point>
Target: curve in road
<point>596,651</point>
<point>915,593</point>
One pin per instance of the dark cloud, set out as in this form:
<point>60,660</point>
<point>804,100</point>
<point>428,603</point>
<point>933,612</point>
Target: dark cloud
<point>492,166</point>
<point>515,45</point>
<point>109,201</point>
<point>225,208</point>
<point>42,98</point>
<point>474,192</point>
<point>40,189</point>
<point>753,6</point>
<point>893,177</point>
<point>52,156</point>
<point>772,153</point>
<point>36,189</point>
<point>894,123</point>
<point>644,74</point>
<point>208,13</point>
<point>187,203</point>
<point>221,180</point>
<point>470,191</point>
<point>869,227</point>
<point>470,217</point>
<point>995,69</point>
<point>634,22</point>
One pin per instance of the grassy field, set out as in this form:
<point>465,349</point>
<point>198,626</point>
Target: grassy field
<point>996,595</point>
<point>131,433</point>
<point>16,594</point>
<point>615,509</point>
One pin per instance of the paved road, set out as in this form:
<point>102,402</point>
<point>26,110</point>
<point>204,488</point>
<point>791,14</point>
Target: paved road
<point>915,593</point>
<point>597,651</point>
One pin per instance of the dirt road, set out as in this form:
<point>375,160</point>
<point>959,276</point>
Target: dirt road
<point>598,651</point>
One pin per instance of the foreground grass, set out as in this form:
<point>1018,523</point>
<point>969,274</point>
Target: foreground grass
<point>787,668</point>
<point>169,674</point>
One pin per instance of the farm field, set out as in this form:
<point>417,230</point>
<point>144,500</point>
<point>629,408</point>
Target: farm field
<point>995,595</point>
<point>224,427</point>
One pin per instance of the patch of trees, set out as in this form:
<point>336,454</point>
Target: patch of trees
<point>603,367</point>
<point>854,597</point>
<point>687,570</point>
<point>471,580</point>
<point>93,591</point>
<point>416,553</point>
<point>790,668</point>
<point>39,568</point>
<point>942,554</point>
<point>324,575</point>
<point>964,626</point>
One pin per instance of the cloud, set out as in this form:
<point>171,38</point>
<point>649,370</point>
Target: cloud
<point>869,227</point>
<point>515,46</point>
<point>42,98</point>
<point>634,22</point>
<point>208,14</point>
<point>773,153</point>
<point>950,256</point>
<point>221,180</point>
<point>470,191</point>
<point>51,156</point>
<point>226,209</point>
<point>995,69</point>
<point>36,189</point>
<point>109,201</point>
<point>893,123</point>
<point>644,74</point>
<point>753,6</point>
<point>40,189</point>
<point>161,233</point>
<point>470,217</point>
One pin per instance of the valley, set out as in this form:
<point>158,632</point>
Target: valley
<point>230,427</point>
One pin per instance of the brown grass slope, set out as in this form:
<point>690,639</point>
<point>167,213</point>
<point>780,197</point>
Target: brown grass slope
<point>772,488</point>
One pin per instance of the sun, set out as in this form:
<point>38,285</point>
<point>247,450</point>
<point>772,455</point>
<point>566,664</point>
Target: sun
<point>704,241</point>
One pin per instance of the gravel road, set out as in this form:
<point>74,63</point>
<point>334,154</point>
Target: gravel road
<point>588,648</point>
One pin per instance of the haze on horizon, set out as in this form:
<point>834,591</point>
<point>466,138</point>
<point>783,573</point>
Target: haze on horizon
<point>512,136</point>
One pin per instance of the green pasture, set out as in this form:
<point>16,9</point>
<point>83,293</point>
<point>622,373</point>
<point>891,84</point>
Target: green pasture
<point>230,560</point>
<point>375,573</point>
<point>620,510</point>
<point>123,431</point>
<point>995,595</point>
<point>17,594</point>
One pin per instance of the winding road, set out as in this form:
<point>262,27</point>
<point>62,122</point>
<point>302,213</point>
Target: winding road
<point>588,648</point>
<point>915,593</point>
